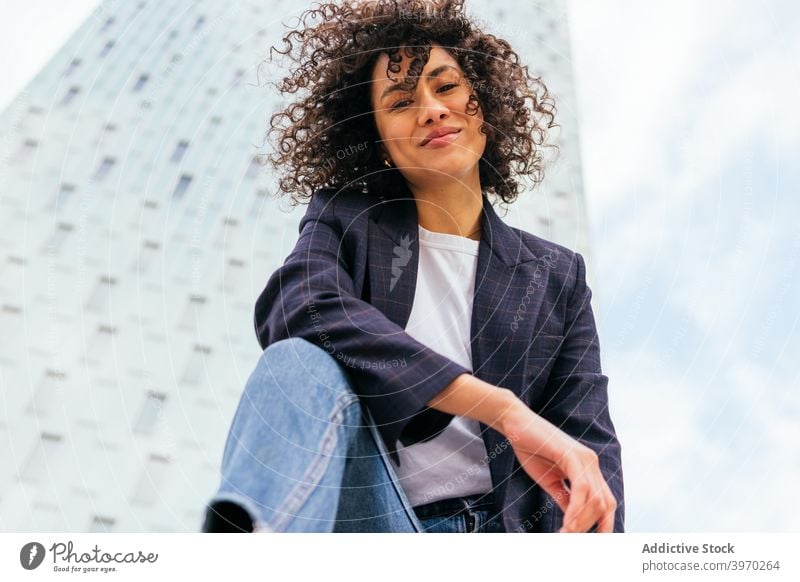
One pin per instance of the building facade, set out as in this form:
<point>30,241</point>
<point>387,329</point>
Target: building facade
<point>138,227</point>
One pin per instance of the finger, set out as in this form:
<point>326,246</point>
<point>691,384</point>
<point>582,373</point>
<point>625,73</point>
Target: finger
<point>574,516</point>
<point>589,497</point>
<point>589,510</point>
<point>549,480</point>
<point>578,511</point>
<point>599,504</point>
<point>606,524</point>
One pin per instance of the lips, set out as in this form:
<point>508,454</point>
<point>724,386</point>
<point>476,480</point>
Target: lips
<point>436,134</point>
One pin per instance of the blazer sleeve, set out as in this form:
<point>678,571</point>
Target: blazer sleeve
<point>576,397</point>
<point>312,296</point>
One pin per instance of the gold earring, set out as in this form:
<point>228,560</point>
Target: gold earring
<point>387,163</point>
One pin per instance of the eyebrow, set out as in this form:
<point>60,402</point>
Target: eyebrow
<point>434,73</point>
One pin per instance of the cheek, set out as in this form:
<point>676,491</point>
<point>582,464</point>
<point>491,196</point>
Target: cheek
<point>388,133</point>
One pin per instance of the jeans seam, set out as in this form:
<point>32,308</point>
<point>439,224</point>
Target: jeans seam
<point>301,492</point>
<point>416,522</point>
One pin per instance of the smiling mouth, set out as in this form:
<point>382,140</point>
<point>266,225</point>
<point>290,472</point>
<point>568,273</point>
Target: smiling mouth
<point>442,139</point>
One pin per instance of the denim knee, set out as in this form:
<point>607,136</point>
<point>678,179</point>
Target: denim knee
<point>298,361</point>
<point>302,355</point>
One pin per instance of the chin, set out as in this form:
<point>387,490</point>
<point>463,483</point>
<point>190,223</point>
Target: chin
<point>443,172</point>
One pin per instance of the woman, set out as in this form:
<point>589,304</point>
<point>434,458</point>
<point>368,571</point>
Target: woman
<point>426,367</point>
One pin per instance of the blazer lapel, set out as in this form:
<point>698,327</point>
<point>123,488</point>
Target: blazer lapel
<point>393,258</point>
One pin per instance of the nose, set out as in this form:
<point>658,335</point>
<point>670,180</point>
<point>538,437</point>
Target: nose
<point>431,108</point>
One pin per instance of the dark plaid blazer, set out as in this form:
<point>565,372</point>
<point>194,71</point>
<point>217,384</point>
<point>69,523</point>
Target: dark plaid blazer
<point>348,287</point>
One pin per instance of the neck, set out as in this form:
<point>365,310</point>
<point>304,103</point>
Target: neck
<point>451,208</point>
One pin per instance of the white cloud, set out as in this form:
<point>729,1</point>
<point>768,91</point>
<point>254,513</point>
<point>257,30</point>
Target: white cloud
<point>689,125</point>
<point>31,33</point>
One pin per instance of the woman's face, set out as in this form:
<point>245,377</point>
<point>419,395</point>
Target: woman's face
<point>404,120</point>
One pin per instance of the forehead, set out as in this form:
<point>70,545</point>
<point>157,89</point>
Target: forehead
<point>438,56</point>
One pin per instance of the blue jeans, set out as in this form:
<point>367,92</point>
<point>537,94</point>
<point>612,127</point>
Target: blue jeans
<point>303,455</point>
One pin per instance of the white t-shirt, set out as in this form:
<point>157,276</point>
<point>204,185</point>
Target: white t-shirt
<point>455,462</point>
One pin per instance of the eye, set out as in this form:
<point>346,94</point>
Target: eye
<point>446,87</point>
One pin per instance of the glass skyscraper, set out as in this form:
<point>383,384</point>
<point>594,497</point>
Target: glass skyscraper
<point>138,227</point>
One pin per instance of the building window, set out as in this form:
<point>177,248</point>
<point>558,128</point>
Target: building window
<point>151,481</point>
<point>150,412</point>
<point>234,275</point>
<point>195,365</point>
<point>258,203</point>
<point>70,95</point>
<point>102,291</point>
<point>11,271</point>
<point>101,524</point>
<point>253,168</point>
<point>27,149</point>
<point>101,343</point>
<point>10,324</point>
<point>227,232</point>
<point>43,456</point>
<point>65,192</point>
<point>237,77</point>
<point>182,185</point>
<point>104,168</point>
<point>107,24</point>
<point>191,315</point>
<point>50,385</point>
<point>141,82</point>
<point>57,239</point>
<point>147,256</point>
<point>73,64</point>
<point>106,48</point>
<point>180,150</point>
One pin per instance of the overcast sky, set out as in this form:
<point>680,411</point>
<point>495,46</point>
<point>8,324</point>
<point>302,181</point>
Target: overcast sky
<point>690,140</point>
<point>689,136</point>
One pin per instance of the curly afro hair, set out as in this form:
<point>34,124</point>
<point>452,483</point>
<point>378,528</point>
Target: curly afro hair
<point>335,60</point>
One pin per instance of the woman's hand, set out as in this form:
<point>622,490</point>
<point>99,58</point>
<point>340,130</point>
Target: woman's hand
<point>549,456</point>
